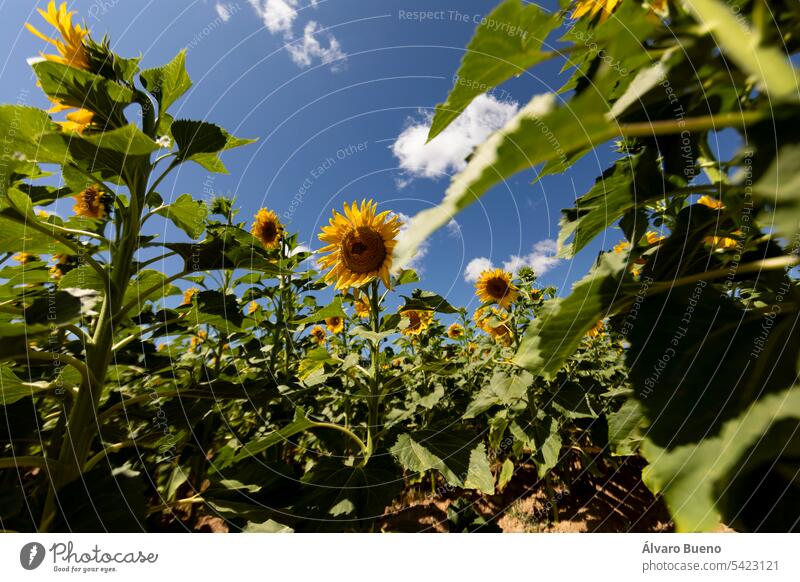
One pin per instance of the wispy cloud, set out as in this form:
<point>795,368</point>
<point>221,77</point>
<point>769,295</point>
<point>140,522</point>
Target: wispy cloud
<point>223,11</point>
<point>448,151</point>
<point>541,259</point>
<point>279,17</point>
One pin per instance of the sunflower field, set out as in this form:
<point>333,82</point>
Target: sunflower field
<point>225,378</point>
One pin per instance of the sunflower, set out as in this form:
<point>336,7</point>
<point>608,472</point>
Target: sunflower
<point>360,244</point>
<point>267,228</point>
<point>334,324</point>
<point>495,286</point>
<point>455,331</point>
<point>361,306</point>
<point>621,246</point>
<point>418,321</point>
<point>64,264</point>
<point>592,7</point>
<point>77,120</point>
<point>501,332</point>
<point>318,335</point>
<point>197,340</point>
<point>25,258</point>
<point>189,294</point>
<point>71,50</point>
<point>91,203</point>
<point>653,237</point>
<point>711,203</point>
<point>721,243</point>
<point>252,307</point>
<point>598,330</point>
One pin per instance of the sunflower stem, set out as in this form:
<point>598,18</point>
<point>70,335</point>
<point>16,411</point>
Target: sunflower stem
<point>373,400</point>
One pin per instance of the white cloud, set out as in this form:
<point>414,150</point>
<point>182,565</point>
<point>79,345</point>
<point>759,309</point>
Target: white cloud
<point>279,17</point>
<point>541,259</point>
<point>422,250</point>
<point>475,267</point>
<point>223,11</point>
<point>453,228</point>
<point>305,50</point>
<point>447,152</point>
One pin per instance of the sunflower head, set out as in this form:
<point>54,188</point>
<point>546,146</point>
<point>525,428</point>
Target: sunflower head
<point>77,120</point>
<point>455,331</point>
<point>70,47</point>
<point>189,294</point>
<point>621,246</point>
<point>496,325</point>
<point>653,237</point>
<point>252,307</point>
<point>359,244</point>
<point>723,243</point>
<point>267,228</point>
<point>25,258</point>
<point>91,203</point>
<point>361,306</point>
<point>318,335</point>
<point>495,286</point>
<point>710,202</point>
<point>418,321</point>
<point>334,324</point>
<point>64,264</point>
<point>598,330</point>
<point>592,7</point>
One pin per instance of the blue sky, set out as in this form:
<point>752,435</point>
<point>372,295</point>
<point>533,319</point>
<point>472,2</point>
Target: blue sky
<point>339,93</point>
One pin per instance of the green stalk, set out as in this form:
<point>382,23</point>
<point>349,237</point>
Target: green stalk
<point>373,398</point>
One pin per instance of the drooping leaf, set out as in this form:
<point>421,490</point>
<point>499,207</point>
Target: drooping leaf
<point>458,454</point>
<point>187,214</point>
<point>506,43</point>
<point>254,447</point>
<point>13,388</point>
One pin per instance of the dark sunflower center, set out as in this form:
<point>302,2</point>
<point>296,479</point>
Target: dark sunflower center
<point>363,250</point>
<point>269,231</point>
<point>497,288</point>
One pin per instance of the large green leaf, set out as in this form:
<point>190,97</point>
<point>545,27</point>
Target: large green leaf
<point>506,43</point>
<point>78,88</point>
<point>556,333</point>
<point>691,477</point>
<point>30,133</point>
<point>628,183</point>
<point>742,44</point>
<point>543,437</point>
<point>13,389</point>
<point>128,140</point>
<point>187,214</point>
<point>458,454</point>
<point>332,310</point>
<point>167,83</point>
<point>538,133</point>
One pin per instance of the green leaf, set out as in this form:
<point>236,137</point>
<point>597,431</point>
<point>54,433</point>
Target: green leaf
<point>558,330</point>
<point>167,83</point>
<point>690,478</point>
<point>82,89</point>
<point>457,454</point>
<point>82,277</point>
<point>254,447</point>
<point>197,137</point>
<point>187,214</point>
<point>269,526</point>
<point>506,473</point>
<point>149,285</point>
<point>13,389</point>
<point>628,183</point>
<point>334,309</point>
<point>542,435</point>
<point>128,140</point>
<point>624,428</point>
<point>742,45</point>
<point>507,42</point>
<point>537,134</point>
<point>511,389</point>
<point>30,133</point>
<point>65,306</point>
<point>427,301</point>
